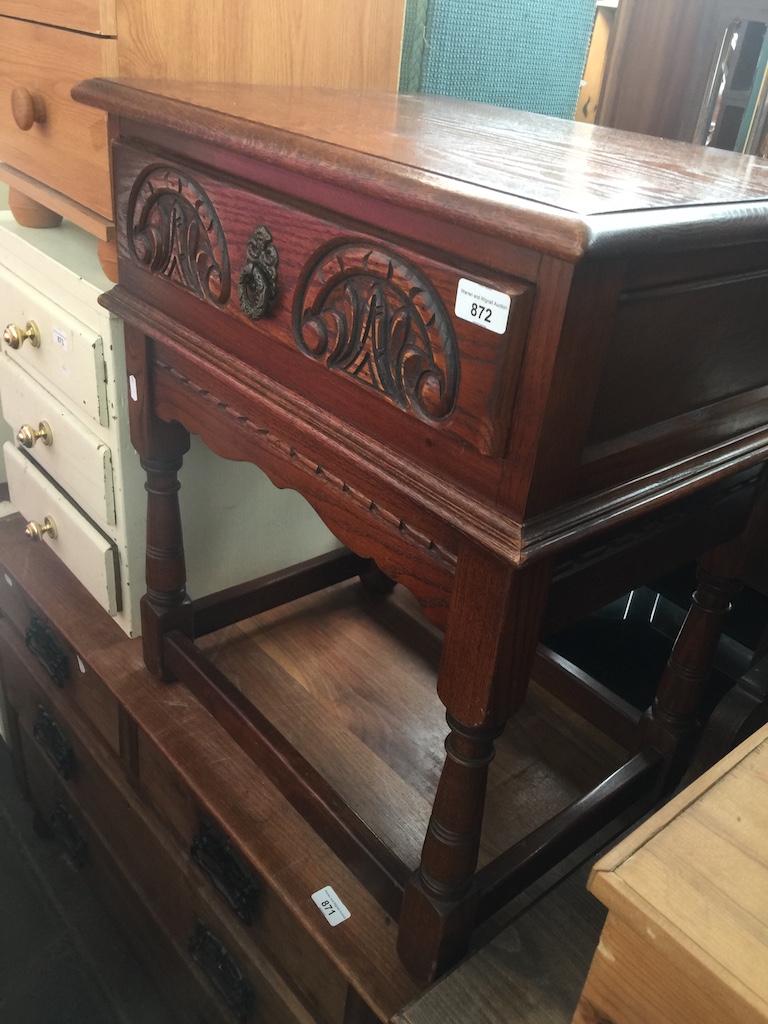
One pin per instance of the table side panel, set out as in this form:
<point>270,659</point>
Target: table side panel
<point>686,369</point>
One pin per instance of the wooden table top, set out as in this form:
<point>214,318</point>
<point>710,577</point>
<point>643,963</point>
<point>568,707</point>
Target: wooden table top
<point>694,877</point>
<point>580,176</point>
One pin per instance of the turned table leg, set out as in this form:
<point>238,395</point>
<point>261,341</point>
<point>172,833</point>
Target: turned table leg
<point>165,605</point>
<point>672,723</point>
<point>161,447</point>
<point>490,642</point>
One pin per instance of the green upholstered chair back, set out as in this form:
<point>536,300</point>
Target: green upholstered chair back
<point>527,54</point>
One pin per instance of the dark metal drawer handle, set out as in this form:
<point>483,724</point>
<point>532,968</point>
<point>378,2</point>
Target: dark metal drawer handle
<point>214,853</point>
<point>257,287</point>
<point>42,643</point>
<point>69,835</point>
<point>57,747</point>
<point>222,971</point>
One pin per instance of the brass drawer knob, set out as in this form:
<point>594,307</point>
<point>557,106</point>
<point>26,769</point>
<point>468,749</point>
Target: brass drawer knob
<point>27,108</point>
<point>27,435</point>
<point>15,336</point>
<point>35,530</point>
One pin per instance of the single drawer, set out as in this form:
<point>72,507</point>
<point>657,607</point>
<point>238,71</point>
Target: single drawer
<point>339,316</point>
<point>94,16</point>
<point>82,548</point>
<point>38,657</point>
<point>60,352</point>
<point>249,906</point>
<point>73,455</point>
<point>43,132</point>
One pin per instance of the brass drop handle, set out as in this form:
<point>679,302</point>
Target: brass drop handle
<point>15,336</point>
<point>27,108</point>
<point>35,530</point>
<point>27,435</point>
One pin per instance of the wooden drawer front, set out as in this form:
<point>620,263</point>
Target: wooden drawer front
<point>322,989</point>
<point>194,915</point>
<point>82,548</point>
<point>69,358</point>
<point>94,16</point>
<point>374,322</point>
<point>104,834</point>
<point>41,655</point>
<point>68,149</point>
<point>75,457</point>
<point>54,740</point>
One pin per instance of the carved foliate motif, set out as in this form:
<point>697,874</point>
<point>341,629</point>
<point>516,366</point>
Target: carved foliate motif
<point>372,315</point>
<point>173,230</point>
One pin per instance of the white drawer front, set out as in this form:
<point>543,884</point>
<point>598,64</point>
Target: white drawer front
<point>70,357</point>
<point>85,551</point>
<point>76,458</point>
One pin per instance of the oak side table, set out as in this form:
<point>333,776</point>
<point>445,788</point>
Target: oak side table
<point>516,364</point>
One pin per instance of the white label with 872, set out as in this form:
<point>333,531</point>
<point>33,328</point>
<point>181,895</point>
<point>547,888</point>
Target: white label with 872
<point>483,306</point>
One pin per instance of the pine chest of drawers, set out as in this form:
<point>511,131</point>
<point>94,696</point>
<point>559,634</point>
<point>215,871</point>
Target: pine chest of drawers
<point>54,152</point>
<point>687,897</point>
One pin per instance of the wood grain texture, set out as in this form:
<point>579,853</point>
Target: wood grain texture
<point>57,204</point>
<point>334,655</point>
<point>199,762</point>
<point>693,880</point>
<point>290,42</point>
<point>68,152</point>
<point>122,839</point>
<point>94,16</point>
<point>465,500</point>
<point>421,138</point>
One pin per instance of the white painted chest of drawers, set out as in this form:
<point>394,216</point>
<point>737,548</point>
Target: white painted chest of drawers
<point>71,389</point>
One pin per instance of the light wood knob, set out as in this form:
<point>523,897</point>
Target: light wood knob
<point>35,530</point>
<point>27,435</point>
<point>15,336</point>
<point>28,108</point>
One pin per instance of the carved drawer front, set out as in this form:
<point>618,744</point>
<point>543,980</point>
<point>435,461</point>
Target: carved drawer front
<point>329,307</point>
<point>71,453</point>
<point>83,548</point>
<point>54,347</point>
<point>248,908</point>
<point>94,16</point>
<point>43,132</point>
<point>41,654</point>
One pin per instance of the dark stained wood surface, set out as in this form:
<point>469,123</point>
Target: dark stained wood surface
<point>519,161</point>
<point>364,669</point>
<point>624,400</point>
<point>182,761</point>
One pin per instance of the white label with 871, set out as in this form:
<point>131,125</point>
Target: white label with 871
<point>330,904</point>
<point>483,306</point>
